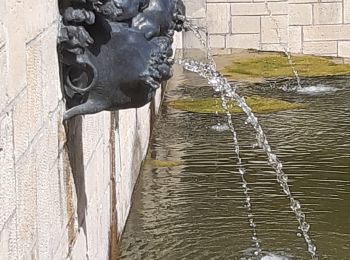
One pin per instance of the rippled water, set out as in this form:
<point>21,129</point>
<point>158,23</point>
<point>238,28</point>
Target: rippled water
<point>195,210</point>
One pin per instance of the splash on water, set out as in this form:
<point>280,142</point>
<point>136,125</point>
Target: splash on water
<point>220,127</point>
<point>221,85</point>
<point>318,89</point>
<point>274,257</point>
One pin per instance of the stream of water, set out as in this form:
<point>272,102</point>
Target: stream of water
<point>221,85</point>
<point>241,169</point>
<point>285,47</point>
<point>227,91</point>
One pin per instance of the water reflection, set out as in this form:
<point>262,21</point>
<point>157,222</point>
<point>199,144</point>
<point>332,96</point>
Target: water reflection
<point>195,210</point>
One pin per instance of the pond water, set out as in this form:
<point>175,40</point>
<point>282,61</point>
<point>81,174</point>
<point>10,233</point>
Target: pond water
<point>195,210</point>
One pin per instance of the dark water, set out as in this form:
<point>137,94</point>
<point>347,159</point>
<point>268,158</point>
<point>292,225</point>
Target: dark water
<point>196,210</point>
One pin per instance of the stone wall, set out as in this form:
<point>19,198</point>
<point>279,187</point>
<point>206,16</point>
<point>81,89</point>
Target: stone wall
<point>65,189</point>
<point>303,26</point>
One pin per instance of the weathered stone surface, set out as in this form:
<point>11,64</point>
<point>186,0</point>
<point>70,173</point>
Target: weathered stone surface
<point>344,48</point>
<point>21,125</point>
<point>245,41</point>
<point>346,7</point>
<point>245,24</point>
<point>34,88</point>
<point>300,14</point>
<point>39,16</point>
<point>8,243</point>
<point>51,91</point>
<point>3,75</point>
<point>319,48</point>
<point>274,29</point>
<point>218,18</point>
<point>27,169</point>
<point>295,39</point>
<point>217,41</point>
<point>328,13</point>
<point>327,32</point>
<point>300,25</point>
<point>278,8</point>
<point>7,173</point>
<point>195,9</point>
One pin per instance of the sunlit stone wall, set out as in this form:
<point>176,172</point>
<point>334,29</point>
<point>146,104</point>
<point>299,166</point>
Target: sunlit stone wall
<point>65,189</point>
<point>304,26</point>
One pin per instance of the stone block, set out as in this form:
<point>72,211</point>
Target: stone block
<point>327,32</point>
<point>104,219</point>
<point>16,50</point>
<point>61,252</point>
<point>328,13</point>
<point>220,51</point>
<point>195,9</point>
<point>344,49</point>
<point>92,225</point>
<point>79,250</point>
<point>58,212</point>
<point>44,197</point>
<point>295,39</point>
<point>2,40</point>
<point>320,48</point>
<point>39,15</point>
<point>26,173</point>
<point>273,47</point>
<point>300,14</point>
<point>21,125</point>
<point>95,176</point>
<point>4,75</point>
<point>245,24</point>
<point>346,6</point>
<point>107,167</point>
<point>7,173</point>
<point>304,1</point>
<point>244,41</point>
<point>50,78</point>
<point>218,18</point>
<point>52,129</point>
<point>217,41</point>
<point>8,240</point>
<point>274,29</point>
<point>34,87</point>
<point>255,8</point>
<point>127,156</point>
<point>2,12</point>
<point>92,133</point>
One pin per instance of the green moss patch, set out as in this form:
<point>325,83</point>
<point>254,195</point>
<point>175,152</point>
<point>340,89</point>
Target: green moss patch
<point>213,105</point>
<point>161,164</point>
<point>258,67</point>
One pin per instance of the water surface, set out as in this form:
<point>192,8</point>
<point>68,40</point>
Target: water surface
<point>196,210</point>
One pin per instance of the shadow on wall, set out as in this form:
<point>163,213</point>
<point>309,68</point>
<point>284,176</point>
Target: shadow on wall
<point>75,168</point>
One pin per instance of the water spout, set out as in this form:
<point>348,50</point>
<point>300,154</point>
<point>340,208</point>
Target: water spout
<point>115,53</point>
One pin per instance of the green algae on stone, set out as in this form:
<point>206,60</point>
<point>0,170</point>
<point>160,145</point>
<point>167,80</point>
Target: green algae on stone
<point>213,105</point>
<point>276,65</point>
<point>161,164</point>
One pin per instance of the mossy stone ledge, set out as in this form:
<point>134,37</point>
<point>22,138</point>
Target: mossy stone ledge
<point>257,67</point>
<point>213,105</point>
